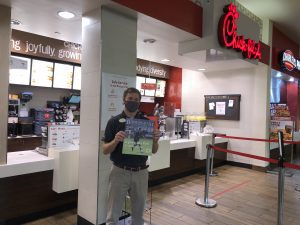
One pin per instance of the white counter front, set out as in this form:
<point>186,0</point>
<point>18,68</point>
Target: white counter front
<point>25,162</point>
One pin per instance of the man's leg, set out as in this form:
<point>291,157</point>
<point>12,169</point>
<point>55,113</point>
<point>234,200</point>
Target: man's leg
<point>138,195</point>
<point>119,182</point>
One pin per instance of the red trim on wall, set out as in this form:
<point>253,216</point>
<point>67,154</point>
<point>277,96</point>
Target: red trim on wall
<point>280,43</point>
<point>265,53</point>
<point>291,97</point>
<point>174,87</point>
<point>183,14</point>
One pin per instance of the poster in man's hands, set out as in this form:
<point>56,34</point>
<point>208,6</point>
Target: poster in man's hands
<point>139,137</point>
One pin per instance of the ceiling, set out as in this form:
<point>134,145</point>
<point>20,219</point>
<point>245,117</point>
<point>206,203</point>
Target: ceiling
<point>40,17</point>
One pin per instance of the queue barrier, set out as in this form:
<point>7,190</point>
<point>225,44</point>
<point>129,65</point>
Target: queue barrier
<point>210,203</point>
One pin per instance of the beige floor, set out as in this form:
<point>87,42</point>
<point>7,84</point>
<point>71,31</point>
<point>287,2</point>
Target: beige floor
<point>244,197</point>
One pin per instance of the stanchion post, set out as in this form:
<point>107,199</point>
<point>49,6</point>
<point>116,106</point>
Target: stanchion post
<point>281,176</point>
<point>206,202</point>
<point>212,173</point>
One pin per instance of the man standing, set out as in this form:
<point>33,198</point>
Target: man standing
<point>129,172</point>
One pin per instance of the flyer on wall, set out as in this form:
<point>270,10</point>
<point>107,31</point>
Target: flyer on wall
<point>113,86</point>
<point>139,137</point>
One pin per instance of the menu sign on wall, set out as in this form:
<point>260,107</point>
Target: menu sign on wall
<point>19,72</point>
<point>77,78</point>
<point>63,74</point>
<point>40,46</point>
<point>42,73</point>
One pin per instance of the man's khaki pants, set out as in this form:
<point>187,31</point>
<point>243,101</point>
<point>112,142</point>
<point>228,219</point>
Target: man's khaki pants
<point>121,182</point>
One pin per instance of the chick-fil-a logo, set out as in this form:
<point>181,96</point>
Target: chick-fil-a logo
<point>229,38</point>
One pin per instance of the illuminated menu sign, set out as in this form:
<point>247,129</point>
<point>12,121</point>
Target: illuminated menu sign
<point>77,78</point>
<point>42,73</point>
<point>19,72</point>
<point>228,37</point>
<point>63,74</point>
<point>288,61</point>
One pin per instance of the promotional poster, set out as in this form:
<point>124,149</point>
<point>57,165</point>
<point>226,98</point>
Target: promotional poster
<point>139,137</point>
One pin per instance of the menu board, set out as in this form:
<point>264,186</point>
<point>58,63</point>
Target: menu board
<point>63,75</point>
<point>77,78</point>
<point>19,72</point>
<point>139,82</point>
<point>63,135</point>
<point>42,73</point>
<point>150,92</point>
<point>160,88</point>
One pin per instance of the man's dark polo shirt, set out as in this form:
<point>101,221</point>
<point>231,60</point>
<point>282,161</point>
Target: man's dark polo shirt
<point>114,125</point>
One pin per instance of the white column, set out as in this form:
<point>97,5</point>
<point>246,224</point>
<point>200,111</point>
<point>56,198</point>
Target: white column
<point>109,45</point>
<point>5,34</point>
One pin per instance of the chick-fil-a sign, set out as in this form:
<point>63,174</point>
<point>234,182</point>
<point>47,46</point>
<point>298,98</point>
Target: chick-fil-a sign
<point>229,38</point>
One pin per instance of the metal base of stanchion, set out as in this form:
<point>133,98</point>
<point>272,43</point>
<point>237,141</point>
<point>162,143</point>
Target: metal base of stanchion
<point>213,174</point>
<point>297,188</point>
<point>208,204</point>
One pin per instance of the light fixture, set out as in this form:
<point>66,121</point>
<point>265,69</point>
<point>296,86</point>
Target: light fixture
<point>66,14</point>
<point>292,79</point>
<point>165,60</point>
<point>15,22</point>
<point>149,40</point>
<point>278,74</point>
<point>201,69</point>
<point>57,32</point>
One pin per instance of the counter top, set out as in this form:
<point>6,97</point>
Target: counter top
<point>24,162</point>
<point>24,136</point>
<point>182,143</point>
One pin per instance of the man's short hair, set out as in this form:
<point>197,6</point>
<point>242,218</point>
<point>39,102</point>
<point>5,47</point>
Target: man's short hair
<point>131,90</point>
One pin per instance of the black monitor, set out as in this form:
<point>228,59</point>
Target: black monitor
<point>74,99</point>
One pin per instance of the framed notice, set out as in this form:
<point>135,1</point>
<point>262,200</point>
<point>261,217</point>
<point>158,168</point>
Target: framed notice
<point>222,107</point>
<point>160,88</point>
<point>42,73</point>
<point>19,72</point>
<point>150,92</point>
<point>63,75</point>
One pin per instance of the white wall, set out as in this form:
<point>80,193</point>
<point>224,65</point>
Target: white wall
<point>252,84</point>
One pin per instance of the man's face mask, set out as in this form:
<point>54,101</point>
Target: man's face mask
<point>132,106</point>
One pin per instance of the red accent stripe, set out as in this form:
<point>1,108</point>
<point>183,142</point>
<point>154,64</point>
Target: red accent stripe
<point>265,53</point>
<point>274,161</point>
<point>182,14</point>
<point>231,188</point>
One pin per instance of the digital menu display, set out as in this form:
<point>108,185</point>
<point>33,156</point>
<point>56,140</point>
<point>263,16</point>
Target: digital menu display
<point>63,75</point>
<point>160,88</point>
<point>139,81</point>
<point>42,73</point>
<point>77,78</point>
<point>150,92</point>
<point>19,72</point>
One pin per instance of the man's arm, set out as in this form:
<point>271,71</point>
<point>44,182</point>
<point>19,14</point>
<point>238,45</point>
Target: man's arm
<point>156,135</point>
<point>109,147</point>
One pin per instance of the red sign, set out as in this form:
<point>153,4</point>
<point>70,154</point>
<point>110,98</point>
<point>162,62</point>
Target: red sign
<point>147,86</point>
<point>288,61</point>
<point>229,38</point>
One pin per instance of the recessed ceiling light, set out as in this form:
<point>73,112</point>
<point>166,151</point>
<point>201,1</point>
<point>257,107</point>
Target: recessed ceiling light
<point>66,14</point>
<point>278,74</point>
<point>201,69</point>
<point>57,32</point>
<point>149,40</point>
<point>292,79</point>
<point>165,60</point>
<point>15,22</point>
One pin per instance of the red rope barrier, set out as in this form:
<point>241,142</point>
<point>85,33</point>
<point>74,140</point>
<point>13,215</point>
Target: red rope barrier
<point>255,139</point>
<point>246,155</point>
<point>274,161</point>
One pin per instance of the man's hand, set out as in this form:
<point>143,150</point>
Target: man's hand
<point>156,135</point>
<point>119,137</point>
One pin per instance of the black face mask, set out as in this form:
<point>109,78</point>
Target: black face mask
<point>132,106</point>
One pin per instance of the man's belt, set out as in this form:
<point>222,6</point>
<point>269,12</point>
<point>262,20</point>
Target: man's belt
<point>132,168</point>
